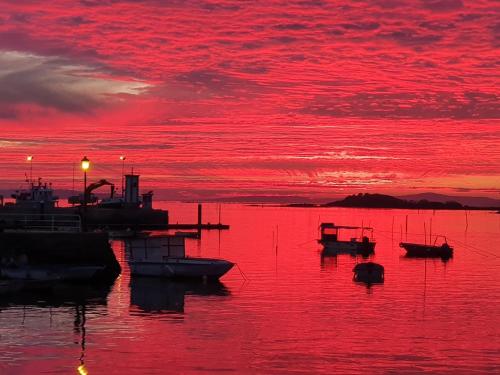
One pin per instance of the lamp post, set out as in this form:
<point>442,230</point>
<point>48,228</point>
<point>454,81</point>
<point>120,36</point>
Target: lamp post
<point>122,158</point>
<point>85,167</point>
<point>30,159</point>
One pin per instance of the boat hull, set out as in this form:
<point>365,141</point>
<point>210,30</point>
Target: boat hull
<point>426,251</point>
<point>347,247</point>
<point>369,273</point>
<point>182,268</point>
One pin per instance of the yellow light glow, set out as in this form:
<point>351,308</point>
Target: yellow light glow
<point>29,157</point>
<point>122,157</point>
<point>85,163</point>
<point>82,370</point>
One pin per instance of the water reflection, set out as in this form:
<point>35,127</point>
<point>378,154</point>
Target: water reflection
<point>281,322</point>
<point>331,260</point>
<point>444,260</point>
<point>53,294</point>
<point>155,295</point>
<point>61,302</point>
<point>327,252</point>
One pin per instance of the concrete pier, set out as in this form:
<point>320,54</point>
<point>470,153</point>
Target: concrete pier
<point>57,248</point>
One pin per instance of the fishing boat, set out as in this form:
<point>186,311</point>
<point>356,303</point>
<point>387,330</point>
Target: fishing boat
<point>164,256</point>
<point>369,273</point>
<point>330,234</point>
<point>428,251</point>
<point>38,196</point>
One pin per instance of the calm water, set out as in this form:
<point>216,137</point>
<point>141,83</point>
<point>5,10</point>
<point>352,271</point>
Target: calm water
<point>297,313</point>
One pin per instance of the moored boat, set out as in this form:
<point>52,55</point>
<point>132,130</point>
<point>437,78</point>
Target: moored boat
<point>355,245</point>
<point>369,272</point>
<point>189,268</point>
<point>427,251</point>
<point>164,256</point>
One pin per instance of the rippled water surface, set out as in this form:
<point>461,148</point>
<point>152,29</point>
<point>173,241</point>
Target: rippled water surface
<point>297,312</point>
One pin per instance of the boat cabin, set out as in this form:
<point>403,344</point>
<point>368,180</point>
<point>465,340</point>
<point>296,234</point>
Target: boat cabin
<point>330,232</point>
<point>156,248</point>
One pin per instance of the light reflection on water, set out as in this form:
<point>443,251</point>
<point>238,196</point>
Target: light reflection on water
<point>299,312</point>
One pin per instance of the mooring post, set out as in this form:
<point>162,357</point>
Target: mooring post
<point>199,220</point>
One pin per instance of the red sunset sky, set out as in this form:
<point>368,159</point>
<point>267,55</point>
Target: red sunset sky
<point>232,98</point>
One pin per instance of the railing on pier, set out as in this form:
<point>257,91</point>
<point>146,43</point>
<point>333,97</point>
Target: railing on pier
<point>40,222</point>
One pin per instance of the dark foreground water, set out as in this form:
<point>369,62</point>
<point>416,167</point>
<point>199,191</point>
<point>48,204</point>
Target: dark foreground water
<point>297,313</point>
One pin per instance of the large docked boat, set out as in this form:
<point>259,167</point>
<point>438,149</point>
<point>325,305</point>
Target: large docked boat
<point>333,245</point>
<point>38,196</point>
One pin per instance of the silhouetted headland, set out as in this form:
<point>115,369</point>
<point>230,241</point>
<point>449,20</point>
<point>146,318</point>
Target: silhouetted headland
<point>387,201</point>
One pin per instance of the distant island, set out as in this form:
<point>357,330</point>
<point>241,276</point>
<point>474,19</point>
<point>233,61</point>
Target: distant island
<point>367,200</point>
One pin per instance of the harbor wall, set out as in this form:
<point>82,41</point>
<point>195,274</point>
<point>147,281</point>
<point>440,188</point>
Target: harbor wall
<point>56,248</point>
<point>95,217</point>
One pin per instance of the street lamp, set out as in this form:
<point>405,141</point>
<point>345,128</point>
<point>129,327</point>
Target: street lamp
<point>30,159</point>
<point>85,167</point>
<point>122,158</point>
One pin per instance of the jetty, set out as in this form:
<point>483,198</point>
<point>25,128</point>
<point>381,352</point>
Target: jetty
<point>24,254</point>
<point>199,225</point>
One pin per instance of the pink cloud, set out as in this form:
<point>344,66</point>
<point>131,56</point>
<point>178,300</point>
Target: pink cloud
<point>247,96</point>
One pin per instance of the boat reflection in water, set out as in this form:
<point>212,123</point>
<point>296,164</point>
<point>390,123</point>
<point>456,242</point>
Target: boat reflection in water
<point>158,295</point>
<point>367,273</point>
<point>52,294</point>
<point>327,257</point>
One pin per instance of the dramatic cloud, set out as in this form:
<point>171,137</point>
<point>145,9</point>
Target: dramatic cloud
<point>56,83</point>
<point>303,96</point>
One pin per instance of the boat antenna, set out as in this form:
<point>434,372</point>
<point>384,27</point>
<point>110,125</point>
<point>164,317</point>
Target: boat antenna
<point>73,187</point>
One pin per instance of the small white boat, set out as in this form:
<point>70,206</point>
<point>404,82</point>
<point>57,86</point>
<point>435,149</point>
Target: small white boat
<point>50,272</point>
<point>355,245</point>
<point>164,256</point>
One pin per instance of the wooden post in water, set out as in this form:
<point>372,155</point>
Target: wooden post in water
<point>392,233</point>
<point>430,232</point>
<point>406,227</point>
<point>199,219</point>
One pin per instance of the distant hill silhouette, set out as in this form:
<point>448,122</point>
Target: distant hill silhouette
<point>464,200</point>
<point>387,201</point>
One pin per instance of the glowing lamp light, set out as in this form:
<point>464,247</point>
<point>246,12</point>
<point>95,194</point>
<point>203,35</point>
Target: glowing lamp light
<point>82,370</point>
<point>122,157</point>
<point>29,157</point>
<point>85,163</point>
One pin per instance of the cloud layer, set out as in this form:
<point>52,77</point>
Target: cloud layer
<point>267,95</point>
